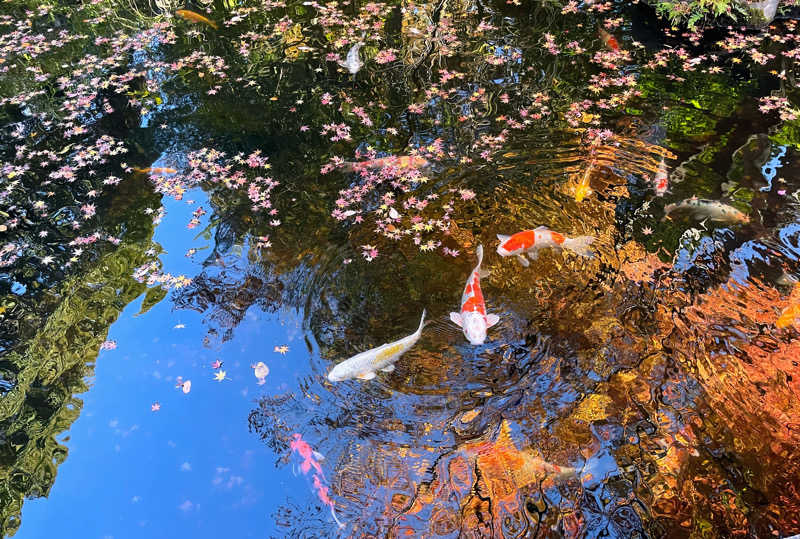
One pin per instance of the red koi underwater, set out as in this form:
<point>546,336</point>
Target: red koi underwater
<point>473,318</point>
<point>155,170</point>
<point>530,241</point>
<point>608,40</point>
<point>661,180</point>
<point>401,161</point>
<point>310,460</point>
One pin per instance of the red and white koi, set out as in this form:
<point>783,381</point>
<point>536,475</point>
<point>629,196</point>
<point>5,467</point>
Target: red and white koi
<point>661,179</point>
<point>395,161</point>
<point>528,242</point>
<point>473,318</point>
<point>309,463</point>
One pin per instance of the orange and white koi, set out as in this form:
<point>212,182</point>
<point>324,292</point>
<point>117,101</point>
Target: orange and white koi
<point>608,40</point>
<point>661,179</point>
<point>196,17</point>
<point>400,162</point>
<point>309,460</point>
<point>528,242</point>
<point>473,318</point>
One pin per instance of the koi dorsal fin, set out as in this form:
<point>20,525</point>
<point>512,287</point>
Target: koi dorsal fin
<point>504,437</point>
<point>503,238</point>
<point>541,228</point>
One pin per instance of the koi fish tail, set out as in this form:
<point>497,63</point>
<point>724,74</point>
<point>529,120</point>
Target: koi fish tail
<point>338,522</point>
<point>669,208</point>
<point>580,245</point>
<point>348,167</point>
<point>421,321</point>
<point>479,253</point>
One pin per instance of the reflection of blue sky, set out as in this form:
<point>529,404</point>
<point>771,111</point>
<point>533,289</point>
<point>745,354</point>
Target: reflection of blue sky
<point>192,469</point>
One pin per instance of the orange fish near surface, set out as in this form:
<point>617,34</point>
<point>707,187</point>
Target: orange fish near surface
<point>196,17</point>
<point>788,316</point>
<point>528,242</point>
<point>608,40</point>
<point>473,318</point>
<point>402,161</point>
<point>155,170</point>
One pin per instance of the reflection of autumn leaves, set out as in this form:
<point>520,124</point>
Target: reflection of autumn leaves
<point>477,490</point>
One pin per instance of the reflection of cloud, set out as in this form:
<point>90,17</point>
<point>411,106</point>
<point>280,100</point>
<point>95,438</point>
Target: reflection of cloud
<point>228,482</point>
<point>186,506</point>
<point>135,499</point>
<point>186,467</point>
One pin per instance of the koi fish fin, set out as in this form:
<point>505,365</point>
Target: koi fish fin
<point>580,245</point>
<point>366,376</point>
<point>479,253</point>
<point>456,319</point>
<point>491,319</point>
<point>541,228</point>
<point>484,273</point>
<point>338,522</point>
<point>388,368</point>
<point>318,455</point>
<point>503,238</point>
<point>533,255</point>
<point>421,321</point>
<point>523,261</point>
<point>295,469</point>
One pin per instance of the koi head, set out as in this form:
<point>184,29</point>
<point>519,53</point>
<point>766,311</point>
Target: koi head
<point>338,373</point>
<point>474,325</point>
<point>502,251</point>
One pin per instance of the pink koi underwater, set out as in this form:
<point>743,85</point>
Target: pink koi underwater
<point>309,463</point>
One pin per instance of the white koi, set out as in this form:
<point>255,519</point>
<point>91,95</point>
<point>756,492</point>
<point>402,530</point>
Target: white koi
<point>701,209</point>
<point>364,365</point>
<point>352,63</point>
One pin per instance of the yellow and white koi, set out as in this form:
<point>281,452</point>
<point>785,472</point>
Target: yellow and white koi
<point>364,365</point>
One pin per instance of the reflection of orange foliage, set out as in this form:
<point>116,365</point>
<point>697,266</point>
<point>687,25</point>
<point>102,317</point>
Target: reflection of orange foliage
<point>486,476</point>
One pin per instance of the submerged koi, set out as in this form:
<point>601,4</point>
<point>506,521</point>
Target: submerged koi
<point>530,241</point>
<point>701,209</point>
<point>310,461</point>
<point>155,170</point>
<point>583,189</point>
<point>364,365</point>
<point>788,316</point>
<point>473,318</point>
<point>608,40</point>
<point>396,161</point>
<point>196,17</point>
<point>352,63</point>
<point>661,179</point>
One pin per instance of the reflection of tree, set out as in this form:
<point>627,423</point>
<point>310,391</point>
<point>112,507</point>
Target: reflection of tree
<point>47,369</point>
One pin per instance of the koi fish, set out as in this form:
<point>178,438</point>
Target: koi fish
<point>352,63</point>
<point>396,161</point>
<point>530,241</point>
<point>788,316</point>
<point>702,209</point>
<point>608,40</point>
<point>661,180</point>
<point>473,318</point>
<point>310,461</point>
<point>155,170</point>
<point>196,17</point>
<point>583,189</point>
<point>382,358</point>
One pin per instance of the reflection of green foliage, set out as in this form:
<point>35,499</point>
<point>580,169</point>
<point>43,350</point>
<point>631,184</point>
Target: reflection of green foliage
<point>49,368</point>
<point>788,134</point>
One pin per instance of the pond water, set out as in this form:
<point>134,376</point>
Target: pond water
<point>204,211</point>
